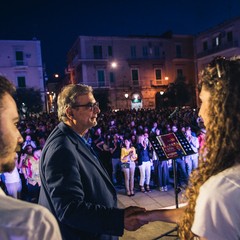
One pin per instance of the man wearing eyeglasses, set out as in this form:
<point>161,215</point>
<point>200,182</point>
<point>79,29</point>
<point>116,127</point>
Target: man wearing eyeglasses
<point>75,186</point>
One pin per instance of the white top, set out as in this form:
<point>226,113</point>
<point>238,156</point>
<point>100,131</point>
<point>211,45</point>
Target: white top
<point>12,177</point>
<point>26,221</point>
<point>217,211</point>
<point>194,142</point>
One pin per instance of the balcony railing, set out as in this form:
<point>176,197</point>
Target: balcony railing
<point>219,48</point>
<point>156,83</point>
<point>19,64</point>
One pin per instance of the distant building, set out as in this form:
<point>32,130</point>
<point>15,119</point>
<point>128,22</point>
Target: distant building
<point>130,72</point>
<point>220,40</point>
<point>21,63</point>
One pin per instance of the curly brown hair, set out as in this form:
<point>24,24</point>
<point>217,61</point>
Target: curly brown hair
<point>222,79</point>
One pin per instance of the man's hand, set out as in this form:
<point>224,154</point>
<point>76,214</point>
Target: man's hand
<point>133,218</point>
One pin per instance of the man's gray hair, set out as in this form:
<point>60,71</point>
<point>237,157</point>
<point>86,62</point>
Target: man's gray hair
<point>67,98</point>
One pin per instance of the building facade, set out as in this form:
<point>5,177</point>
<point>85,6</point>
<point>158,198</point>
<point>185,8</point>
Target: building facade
<point>221,40</point>
<point>21,63</point>
<point>131,72</point>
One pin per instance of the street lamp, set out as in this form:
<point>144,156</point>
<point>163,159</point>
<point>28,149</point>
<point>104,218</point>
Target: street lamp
<point>161,98</point>
<point>114,64</point>
<point>126,96</point>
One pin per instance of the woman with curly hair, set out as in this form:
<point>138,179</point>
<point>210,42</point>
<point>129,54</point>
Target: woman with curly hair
<point>213,208</point>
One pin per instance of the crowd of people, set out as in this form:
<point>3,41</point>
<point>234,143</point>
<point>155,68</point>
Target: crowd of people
<point>116,132</point>
<point>24,181</point>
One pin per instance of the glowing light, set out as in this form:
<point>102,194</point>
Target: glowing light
<point>114,64</point>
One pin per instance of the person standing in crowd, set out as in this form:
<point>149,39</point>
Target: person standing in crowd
<point>19,219</point>
<point>28,141</point>
<point>128,158</point>
<point>161,171</point>
<point>115,149</point>
<point>182,176</point>
<point>144,162</point>
<point>75,186</point>
<point>13,181</point>
<point>30,169</point>
<point>191,160</point>
<point>213,195</point>
<point>154,128</point>
<point>97,142</point>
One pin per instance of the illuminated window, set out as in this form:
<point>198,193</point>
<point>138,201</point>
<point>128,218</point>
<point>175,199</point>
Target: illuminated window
<point>216,41</point>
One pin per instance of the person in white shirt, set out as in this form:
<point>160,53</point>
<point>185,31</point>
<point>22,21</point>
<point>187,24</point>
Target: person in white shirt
<point>19,219</point>
<point>13,181</point>
<point>29,141</point>
<point>191,160</point>
<point>213,209</point>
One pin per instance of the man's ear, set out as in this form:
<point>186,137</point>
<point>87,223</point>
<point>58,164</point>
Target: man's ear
<point>69,113</point>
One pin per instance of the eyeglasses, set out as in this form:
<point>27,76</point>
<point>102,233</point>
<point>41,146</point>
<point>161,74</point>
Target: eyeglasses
<point>89,105</point>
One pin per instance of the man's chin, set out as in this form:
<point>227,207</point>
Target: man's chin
<point>7,167</point>
<point>94,123</point>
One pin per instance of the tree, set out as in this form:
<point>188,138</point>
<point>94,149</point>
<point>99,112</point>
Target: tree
<point>102,97</point>
<point>29,100</point>
<point>178,93</point>
<point>182,91</point>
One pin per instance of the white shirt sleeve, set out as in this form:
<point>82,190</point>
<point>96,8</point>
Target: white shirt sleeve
<point>47,228</point>
<point>24,221</point>
<point>217,211</point>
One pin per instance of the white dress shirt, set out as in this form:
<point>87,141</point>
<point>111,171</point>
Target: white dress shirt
<point>26,221</point>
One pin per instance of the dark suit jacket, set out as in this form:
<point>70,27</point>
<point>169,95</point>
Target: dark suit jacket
<point>77,189</point>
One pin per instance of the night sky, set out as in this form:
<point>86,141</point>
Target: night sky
<point>57,23</point>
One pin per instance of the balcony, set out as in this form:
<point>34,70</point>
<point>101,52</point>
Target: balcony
<point>219,48</point>
<point>158,83</point>
<point>19,65</point>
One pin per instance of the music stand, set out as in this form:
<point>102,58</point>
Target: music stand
<point>171,146</point>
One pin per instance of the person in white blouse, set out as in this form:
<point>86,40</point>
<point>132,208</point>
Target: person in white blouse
<point>213,209</point>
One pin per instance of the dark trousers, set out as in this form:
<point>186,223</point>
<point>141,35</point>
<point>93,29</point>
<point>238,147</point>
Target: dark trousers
<point>33,193</point>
